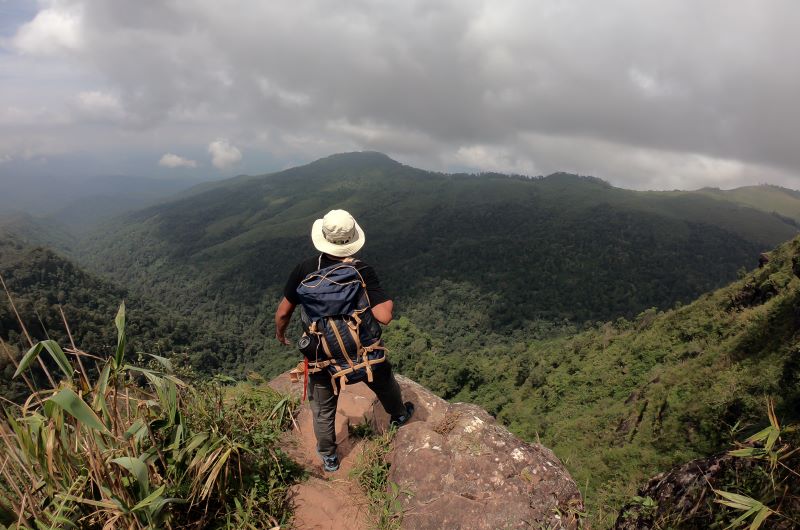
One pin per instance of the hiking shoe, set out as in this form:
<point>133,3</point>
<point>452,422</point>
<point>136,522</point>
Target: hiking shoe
<point>329,463</point>
<point>399,421</point>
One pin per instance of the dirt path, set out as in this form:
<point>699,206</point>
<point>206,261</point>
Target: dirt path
<point>328,501</point>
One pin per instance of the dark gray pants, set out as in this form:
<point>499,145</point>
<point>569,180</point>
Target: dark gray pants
<point>323,403</point>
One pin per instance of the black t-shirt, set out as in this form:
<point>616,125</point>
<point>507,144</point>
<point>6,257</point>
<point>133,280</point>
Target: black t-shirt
<point>374,290</point>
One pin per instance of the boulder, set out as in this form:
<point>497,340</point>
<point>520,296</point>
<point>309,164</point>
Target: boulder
<point>465,471</point>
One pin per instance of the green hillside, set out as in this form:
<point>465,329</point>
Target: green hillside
<point>42,283</point>
<point>625,400</point>
<point>767,198</point>
<point>36,231</point>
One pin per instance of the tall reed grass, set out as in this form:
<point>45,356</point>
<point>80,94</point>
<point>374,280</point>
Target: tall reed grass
<point>112,445</point>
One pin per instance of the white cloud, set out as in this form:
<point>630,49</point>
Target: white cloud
<point>492,158</point>
<point>172,160</point>
<point>101,105</point>
<point>50,32</point>
<point>223,154</point>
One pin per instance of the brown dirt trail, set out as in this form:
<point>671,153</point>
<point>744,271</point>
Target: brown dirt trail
<point>328,501</point>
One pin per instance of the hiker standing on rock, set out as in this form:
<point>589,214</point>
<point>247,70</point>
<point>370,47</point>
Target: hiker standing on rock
<point>342,306</point>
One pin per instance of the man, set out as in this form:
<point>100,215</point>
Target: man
<point>338,237</point>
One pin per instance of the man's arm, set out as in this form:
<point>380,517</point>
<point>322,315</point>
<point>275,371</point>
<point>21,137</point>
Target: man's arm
<point>282,317</point>
<point>383,312</point>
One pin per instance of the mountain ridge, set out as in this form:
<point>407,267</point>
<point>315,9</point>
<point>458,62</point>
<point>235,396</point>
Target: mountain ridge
<point>244,213</point>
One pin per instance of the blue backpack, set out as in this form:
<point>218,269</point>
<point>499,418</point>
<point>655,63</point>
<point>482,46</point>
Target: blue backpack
<point>341,334</point>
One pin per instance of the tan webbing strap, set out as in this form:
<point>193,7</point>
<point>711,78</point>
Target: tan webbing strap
<point>294,374</point>
<point>340,341</point>
<point>369,368</point>
<point>325,346</point>
<point>313,368</point>
<point>341,375</point>
<point>373,347</point>
<point>313,330</point>
<point>347,371</point>
<point>361,350</point>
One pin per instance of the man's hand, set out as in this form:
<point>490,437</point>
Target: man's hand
<point>282,317</point>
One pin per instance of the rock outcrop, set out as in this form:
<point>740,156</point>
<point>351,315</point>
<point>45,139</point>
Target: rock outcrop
<point>466,471</point>
<point>460,468</point>
<point>677,497</point>
<point>684,496</point>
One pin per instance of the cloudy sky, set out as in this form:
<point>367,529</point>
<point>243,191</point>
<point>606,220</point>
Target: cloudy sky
<point>646,94</point>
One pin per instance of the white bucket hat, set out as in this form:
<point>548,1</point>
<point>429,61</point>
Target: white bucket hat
<point>337,234</point>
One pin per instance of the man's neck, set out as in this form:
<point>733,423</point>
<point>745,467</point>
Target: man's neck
<point>336,258</point>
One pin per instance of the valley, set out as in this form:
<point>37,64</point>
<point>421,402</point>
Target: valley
<point>629,331</point>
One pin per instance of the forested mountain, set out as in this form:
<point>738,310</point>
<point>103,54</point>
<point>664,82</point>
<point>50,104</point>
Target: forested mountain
<point>493,275</point>
<point>42,283</point>
<point>625,400</point>
<point>557,247</point>
<point>36,231</point>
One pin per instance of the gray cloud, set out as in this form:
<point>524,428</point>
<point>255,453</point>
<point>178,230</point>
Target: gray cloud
<point>644,93</point>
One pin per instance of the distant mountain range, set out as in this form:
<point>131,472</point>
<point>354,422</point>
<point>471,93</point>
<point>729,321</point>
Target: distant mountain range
<point>561,246</point>
<point>82,203</point>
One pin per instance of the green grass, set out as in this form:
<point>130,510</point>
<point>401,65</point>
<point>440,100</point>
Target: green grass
<point>371,473</point>
<point>136,447</point>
